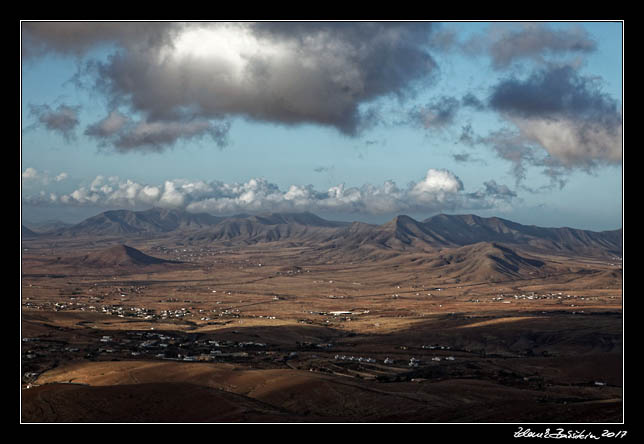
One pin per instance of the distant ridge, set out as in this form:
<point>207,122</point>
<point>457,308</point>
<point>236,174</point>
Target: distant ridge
<point>452,231</point>
<point>47,226</point>
<point>402,233</point>
<point>271,227</point>
<point>126,222</point>
<point>469,229</point>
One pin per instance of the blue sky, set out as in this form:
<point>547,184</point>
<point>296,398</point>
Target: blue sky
<point>351,121</point>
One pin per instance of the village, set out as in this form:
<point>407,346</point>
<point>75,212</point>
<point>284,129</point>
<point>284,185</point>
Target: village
<point>40,353</point>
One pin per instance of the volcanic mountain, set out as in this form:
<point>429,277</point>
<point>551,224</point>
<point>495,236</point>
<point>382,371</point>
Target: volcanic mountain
<point>484,261</point>
<point>291,227</point>
<point>469,229</point>
<point>117,256</point>
<point>152,221</point>
<point>452,231</point>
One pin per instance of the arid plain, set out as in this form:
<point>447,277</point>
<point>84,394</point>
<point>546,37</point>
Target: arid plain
<point>162,316</point>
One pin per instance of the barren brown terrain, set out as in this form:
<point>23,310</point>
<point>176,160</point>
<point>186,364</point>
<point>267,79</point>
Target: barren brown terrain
<point>306,320</point>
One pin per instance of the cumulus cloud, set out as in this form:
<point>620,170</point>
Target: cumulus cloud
<point>437,186</point>
<point>62,120</point>
<point>439,190</point>
<point>32,176</point>
<point>29,174</point>
<point>291,73</point>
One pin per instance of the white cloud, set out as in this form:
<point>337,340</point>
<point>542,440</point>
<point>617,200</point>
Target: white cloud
<point>438,185</point>
<point>30,174</point>
<point>171,197</point>
<point>439,190</point>
<point>33,176</point>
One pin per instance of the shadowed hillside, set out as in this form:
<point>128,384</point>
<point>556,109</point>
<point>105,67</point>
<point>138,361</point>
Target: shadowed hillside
<point>117,256</point>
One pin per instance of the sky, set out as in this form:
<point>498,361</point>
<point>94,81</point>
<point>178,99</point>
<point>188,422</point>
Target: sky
<point>348,120</point>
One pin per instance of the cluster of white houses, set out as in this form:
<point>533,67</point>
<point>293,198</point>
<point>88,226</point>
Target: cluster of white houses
<point>353,358</point>
<point>530,296</point>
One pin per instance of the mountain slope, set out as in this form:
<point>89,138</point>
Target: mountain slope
<point>486,261</point>
<point>27,232</point>
<point>447,231</point>
<point>117,256</point>
<point>152,221</point>
<point>469,229</point>
<point>293,227</point>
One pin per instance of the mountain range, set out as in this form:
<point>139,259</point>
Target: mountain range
<point>401,233</point>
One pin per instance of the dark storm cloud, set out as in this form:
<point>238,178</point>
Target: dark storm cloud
<point>125,134</point>
<point>557,91</point>
<point>158,135</point>
<point>506,44</point>
<point>62,120</point>
<point>75,38</point>
<point>535,40</point>
<point>566,113</point>
<point>286,72</point>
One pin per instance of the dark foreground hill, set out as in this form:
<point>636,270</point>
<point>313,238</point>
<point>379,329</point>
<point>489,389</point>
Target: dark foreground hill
<point>140,403</point>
